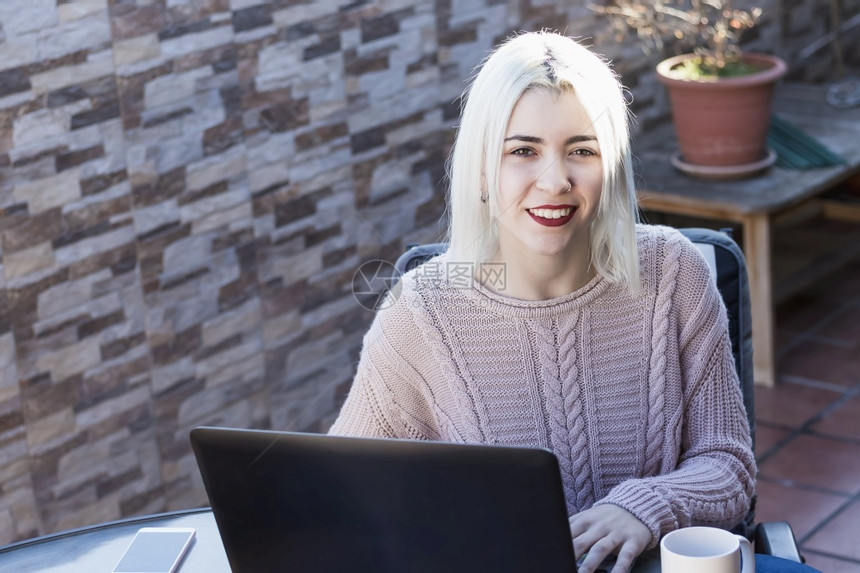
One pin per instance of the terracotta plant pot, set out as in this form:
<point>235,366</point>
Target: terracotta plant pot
<point>723,122</point>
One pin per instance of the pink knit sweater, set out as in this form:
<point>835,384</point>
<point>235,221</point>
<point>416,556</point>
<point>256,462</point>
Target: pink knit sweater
<point>637,396</point>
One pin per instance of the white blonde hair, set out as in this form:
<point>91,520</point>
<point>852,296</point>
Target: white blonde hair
<point>550,61</point>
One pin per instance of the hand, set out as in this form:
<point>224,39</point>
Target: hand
<point>605,530</point>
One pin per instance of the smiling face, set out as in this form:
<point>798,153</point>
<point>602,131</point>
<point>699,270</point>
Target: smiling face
<point>550,179</point>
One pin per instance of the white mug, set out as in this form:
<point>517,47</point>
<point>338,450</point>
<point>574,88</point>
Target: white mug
<point>705,550</point>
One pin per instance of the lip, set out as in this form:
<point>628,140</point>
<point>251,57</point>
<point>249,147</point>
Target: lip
<point>552,222</point>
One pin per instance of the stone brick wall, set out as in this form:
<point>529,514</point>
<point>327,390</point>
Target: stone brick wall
<point>810,43</point>
<point>186,190</point>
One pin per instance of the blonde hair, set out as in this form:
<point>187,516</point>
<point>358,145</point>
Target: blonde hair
<point>542,60</point>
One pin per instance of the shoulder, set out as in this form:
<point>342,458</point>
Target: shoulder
<point>662,237</point>
<point>660,245</point>
<point>400,312</point>
<point>670,263</point>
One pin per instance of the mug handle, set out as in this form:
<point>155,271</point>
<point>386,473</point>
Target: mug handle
<point>747,556</point>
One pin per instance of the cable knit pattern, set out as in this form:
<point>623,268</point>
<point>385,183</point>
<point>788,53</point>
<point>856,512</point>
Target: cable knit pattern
<point>665,294</point>
<point>636,396</point>
<point>564,409</point>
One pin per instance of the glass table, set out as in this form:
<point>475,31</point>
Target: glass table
<point>97,549</point>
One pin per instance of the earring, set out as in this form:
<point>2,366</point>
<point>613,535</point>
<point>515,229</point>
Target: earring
<point>483,199</point>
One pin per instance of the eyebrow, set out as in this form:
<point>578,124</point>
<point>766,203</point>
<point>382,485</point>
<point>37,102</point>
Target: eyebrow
<point>539,140</point>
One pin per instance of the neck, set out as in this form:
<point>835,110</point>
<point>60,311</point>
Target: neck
<point>543,277</point>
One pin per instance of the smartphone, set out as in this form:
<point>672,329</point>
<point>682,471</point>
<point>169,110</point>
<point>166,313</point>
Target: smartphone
<point>156,550</point>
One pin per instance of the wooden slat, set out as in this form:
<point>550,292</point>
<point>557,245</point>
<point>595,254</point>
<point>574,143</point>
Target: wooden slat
<point>841,211</point>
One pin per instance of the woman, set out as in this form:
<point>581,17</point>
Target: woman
<point>573,328</point>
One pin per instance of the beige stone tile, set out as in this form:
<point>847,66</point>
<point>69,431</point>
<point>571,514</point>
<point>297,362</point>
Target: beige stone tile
<point>138,49</point>
<point>98,65</point>
<point>68,361</point>
<point>48,429</point>
<point>19,264</point>
<point>51,192</point>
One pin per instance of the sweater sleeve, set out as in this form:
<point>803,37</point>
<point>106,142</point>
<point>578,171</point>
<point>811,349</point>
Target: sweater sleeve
<point>388,397</point>
<point>362,413</point>
<point>714,479</point>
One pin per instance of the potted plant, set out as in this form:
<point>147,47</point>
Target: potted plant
<point>720,96</point>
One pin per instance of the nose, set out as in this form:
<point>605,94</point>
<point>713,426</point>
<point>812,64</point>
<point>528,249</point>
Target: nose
<point>553,177</point>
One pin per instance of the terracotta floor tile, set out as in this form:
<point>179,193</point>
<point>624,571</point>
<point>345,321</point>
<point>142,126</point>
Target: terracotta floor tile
<point>801,508</point>
<point>843,421</point>
<point>830,565</point>
<point>766,437</point>
<point>821,361</point>
<point>840,535</point>
<point>791,404</point>
<point>819,333</point>
<point>816,462</point>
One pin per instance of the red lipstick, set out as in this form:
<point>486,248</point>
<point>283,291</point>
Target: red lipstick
<point>552,222</point>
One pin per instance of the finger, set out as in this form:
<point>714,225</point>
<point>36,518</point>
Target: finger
<point>585,533</point>
<point>626,556</point>
<point>584,527</point>
<point>623,563</point>
<point>583,543</point>
<point>578,526</point>
<point>598,552</point>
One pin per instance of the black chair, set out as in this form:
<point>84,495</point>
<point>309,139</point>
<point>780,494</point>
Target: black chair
<point>728,267</point>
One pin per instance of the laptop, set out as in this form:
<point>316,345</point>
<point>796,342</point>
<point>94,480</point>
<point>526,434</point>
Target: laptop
<point>288,501</point>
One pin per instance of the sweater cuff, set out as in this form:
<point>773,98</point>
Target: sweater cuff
<point>646,504</point>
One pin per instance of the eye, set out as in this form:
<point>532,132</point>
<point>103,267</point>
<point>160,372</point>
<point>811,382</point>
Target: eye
<point>522,151</point>
<point>584,152</point>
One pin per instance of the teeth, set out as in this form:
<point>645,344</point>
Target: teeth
<point>551,213</point>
